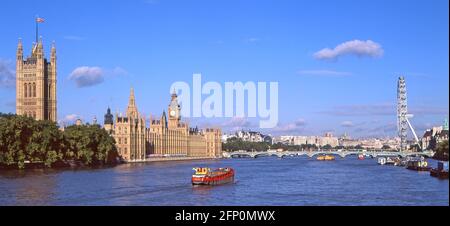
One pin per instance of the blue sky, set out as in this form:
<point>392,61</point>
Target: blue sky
<point>149,44</point>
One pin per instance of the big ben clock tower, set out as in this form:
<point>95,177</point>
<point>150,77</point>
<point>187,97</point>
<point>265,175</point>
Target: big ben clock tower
<point>174,111</point>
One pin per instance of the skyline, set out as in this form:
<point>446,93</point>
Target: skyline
<point>174,40</point>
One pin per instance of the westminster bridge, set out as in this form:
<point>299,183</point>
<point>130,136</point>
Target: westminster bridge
<point>341,153</point>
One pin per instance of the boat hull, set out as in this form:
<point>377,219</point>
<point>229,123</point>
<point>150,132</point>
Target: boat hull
<point>441,174</point>
<point>222,178</point>
<point>213,182</point>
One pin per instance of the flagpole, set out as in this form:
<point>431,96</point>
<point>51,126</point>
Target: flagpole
<point>37,32</point>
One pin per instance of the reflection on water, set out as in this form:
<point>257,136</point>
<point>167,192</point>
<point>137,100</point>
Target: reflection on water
<point>36,187</point>
<point>261,181</point>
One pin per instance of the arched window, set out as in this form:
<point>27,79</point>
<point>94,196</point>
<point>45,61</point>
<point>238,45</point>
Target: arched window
<point>25,86</point>
<point>34,89</point>
<point>30,94</point>
<point>34,114</point>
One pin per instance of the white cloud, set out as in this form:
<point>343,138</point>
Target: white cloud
<point>347,124</point>
<point>119,71</point>
<point>7,74</point>
<point>87,76</point>
<point>383,109</point>
<point>296,126</point>
<point>237,123</point>
<point>330,73</point>
<point>362,110</point>
<point>71,117</point>
<point>252,39</point>
<point>355,47</point>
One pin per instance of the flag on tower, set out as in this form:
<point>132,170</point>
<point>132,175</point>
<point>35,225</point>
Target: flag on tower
<point>39,20</point>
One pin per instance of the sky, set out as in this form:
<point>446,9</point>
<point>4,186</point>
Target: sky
<point>336,62</point>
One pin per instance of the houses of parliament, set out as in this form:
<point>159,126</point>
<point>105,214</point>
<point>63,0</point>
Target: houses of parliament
<point>36,83</point>
<point>166,136</point>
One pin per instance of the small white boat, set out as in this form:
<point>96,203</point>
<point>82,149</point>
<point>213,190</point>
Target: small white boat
<point>382,161</point>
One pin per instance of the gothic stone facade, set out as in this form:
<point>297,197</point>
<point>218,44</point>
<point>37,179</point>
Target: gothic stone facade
<point>36,83</point>
<point>167,136</point>
<point>128,132</point>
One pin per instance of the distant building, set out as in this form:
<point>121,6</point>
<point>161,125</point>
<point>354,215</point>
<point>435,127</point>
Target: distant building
<point>249,136</point>
<point>328,139</point>
<point>225,137</point>
<point>432,137</point>
<point>370,143</point>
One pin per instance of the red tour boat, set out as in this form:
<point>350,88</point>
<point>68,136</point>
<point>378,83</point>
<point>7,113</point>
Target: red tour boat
<point>206,176</point>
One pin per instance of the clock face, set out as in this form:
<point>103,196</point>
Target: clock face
<point>172,113</point>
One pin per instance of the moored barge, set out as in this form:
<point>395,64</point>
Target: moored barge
<point>418,165</point>
<point>441,171</point>
<point>206,176</point>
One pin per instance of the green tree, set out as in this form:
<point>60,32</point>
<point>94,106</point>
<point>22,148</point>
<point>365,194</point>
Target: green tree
<point>23,139</point>
<point>15,134</point>
<point>90,145</point>
<point>442,151</point>
<point>46,143</point>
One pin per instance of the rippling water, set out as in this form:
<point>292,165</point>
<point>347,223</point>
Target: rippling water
<point>261,181</point>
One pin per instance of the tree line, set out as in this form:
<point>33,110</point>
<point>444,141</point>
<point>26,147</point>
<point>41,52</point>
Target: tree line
<point>442,151</point>
<point>24,140</point>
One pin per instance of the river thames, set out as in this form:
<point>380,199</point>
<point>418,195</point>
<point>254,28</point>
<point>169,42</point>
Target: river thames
<point>260,181</point>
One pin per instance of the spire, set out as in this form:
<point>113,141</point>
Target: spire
<point>53,48</point>
<point>132,100</point>
<point>132,110</point>
<point>53,53</point>
<point>174,94</point>
<point>20,49</point>
<point>19,45</point>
